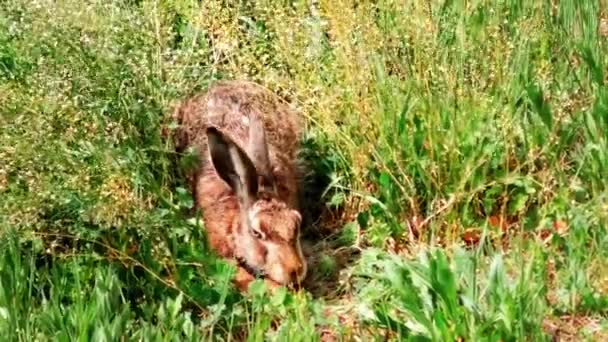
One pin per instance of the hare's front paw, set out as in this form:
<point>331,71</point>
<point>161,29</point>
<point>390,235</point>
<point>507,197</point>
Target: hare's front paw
<point>242,279</point>
<point>271,285</point>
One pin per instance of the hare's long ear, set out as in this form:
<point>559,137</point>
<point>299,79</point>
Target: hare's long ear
<point>233,166</point>
<point>258,150</point>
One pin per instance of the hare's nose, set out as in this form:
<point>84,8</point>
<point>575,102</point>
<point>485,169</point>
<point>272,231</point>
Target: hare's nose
<point>295,283</point>
<point>296,273</point>
<point>294,276</point>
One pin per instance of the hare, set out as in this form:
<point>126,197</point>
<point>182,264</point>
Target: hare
<point>246,179</point>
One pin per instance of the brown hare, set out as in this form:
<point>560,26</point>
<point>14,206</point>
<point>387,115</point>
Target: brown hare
<point>246,179</point>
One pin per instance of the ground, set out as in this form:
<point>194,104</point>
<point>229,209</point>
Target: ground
<point>458,155</point>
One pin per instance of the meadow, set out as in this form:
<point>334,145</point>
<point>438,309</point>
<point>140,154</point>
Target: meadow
<point>458,154</point>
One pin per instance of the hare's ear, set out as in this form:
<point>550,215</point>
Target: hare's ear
<point>258,150</point>
<point>233,166</point>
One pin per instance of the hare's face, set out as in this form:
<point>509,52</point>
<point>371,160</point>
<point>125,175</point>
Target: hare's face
<point>270,242</point>
<point>267,239</point>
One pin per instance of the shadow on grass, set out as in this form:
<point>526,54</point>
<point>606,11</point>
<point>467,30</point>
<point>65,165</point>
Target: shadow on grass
<point>324,247</point>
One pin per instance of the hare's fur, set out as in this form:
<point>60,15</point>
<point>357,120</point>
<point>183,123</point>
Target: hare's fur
<point>259,228</point>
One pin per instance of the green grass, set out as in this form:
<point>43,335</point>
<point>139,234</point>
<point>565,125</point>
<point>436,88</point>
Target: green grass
<point>459,150</point>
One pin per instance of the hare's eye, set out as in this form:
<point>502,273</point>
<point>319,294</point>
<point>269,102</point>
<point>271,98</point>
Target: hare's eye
<point>257,234</point>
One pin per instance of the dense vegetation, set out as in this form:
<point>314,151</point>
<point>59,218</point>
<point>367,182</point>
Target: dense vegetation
<point>459,150</point>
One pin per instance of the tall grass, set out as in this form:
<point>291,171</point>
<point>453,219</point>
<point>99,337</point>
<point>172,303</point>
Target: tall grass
<point>459,151</point>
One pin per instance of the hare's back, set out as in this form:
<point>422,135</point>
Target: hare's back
<point>229,105</point>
